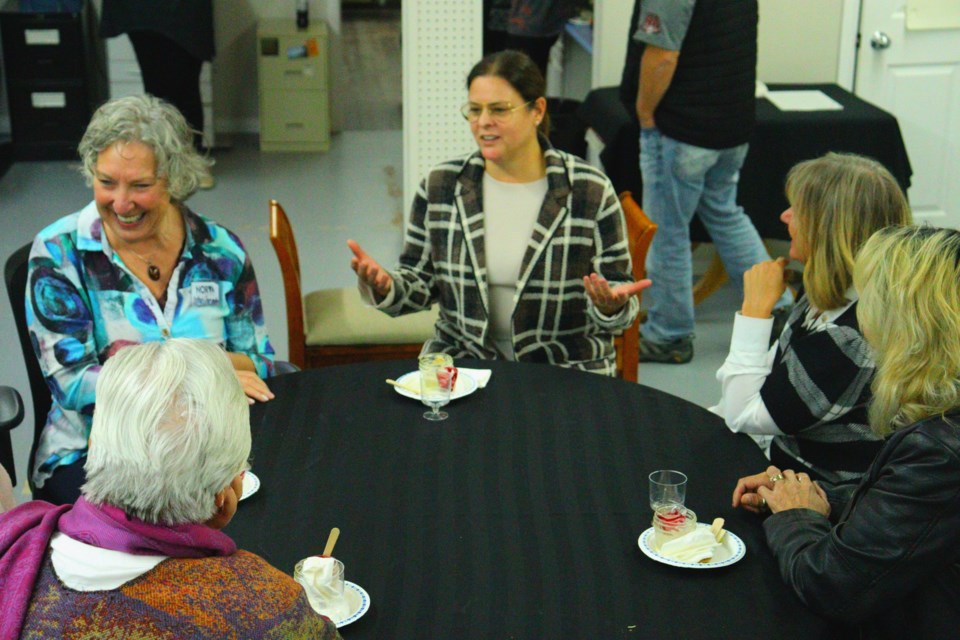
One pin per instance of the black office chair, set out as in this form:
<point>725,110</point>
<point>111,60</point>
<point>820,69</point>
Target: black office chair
<point>11,414</point>
<point>15,276</point>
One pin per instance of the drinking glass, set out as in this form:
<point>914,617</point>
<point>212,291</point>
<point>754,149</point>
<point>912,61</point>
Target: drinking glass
<point>437,377</point>
<point>667,487</point>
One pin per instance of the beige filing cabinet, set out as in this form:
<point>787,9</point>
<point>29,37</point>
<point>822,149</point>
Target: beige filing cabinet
<point>294,86</point>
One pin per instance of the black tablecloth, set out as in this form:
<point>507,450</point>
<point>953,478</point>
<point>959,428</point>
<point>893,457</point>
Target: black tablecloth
<point>780,140</point>
<point>517,517</point>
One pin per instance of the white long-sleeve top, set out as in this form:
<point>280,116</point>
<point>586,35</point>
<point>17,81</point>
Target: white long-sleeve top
<point>749,363</point>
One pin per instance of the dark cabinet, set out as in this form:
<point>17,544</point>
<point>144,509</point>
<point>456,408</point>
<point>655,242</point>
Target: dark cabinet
<point>56,77</point>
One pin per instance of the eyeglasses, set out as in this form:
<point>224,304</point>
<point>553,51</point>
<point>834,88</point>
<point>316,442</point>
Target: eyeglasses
<point>499,111</point>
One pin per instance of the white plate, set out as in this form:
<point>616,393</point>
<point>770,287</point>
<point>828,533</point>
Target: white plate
<point>464,386</point>
<point>732,550</point>
<point>359,602</point>
<point>251,484</point>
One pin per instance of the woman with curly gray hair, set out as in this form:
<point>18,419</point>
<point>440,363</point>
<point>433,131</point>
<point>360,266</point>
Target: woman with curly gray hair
<point>884,555</point>
<point>135,265</point>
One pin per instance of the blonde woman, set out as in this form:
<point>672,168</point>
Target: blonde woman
<point>809,391</point>
<point>885,556</point>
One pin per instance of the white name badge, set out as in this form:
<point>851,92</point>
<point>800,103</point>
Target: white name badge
<point>205,294</point>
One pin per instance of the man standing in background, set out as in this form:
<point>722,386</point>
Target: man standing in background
<point>531,26</point>
<point>691,73</point>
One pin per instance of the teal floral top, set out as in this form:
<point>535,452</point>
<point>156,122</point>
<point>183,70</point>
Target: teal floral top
<point>83,304</point>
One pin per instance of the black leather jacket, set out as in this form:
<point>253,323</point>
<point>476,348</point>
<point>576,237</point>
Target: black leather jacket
<point>890,564</point>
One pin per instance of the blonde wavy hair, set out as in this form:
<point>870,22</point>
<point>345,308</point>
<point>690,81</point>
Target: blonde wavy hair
<point>909,312</point>
<point>839,200</point>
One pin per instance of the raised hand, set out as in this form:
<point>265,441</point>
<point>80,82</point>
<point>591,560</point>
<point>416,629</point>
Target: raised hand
<point>763,284</point>
<point>369,270</point>
<point>609,300</point>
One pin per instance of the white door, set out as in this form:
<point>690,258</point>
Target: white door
<point>915,75</point>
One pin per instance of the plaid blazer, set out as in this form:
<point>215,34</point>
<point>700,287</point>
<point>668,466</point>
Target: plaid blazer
<point>580,229</point>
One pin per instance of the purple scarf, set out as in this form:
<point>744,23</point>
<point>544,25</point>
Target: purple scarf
<point>25,534</point>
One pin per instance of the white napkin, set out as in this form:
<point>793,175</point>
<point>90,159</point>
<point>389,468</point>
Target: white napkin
<point>482,376</point>
<point>316,576</point>
<point>697,545</point>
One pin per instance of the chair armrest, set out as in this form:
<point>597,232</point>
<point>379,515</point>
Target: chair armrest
<point>281,367</point>
<point>11,408</point>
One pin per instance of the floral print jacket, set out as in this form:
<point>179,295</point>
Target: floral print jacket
<point>83,304</point>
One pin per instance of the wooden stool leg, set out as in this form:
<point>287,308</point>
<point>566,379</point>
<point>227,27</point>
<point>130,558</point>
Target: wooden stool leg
<point>715,277</point>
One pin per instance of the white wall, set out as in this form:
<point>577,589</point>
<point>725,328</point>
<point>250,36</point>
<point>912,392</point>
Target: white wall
<point>799,41</point>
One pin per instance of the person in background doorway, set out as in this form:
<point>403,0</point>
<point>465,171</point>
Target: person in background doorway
<point>171,39</point>
<point>531,26</point>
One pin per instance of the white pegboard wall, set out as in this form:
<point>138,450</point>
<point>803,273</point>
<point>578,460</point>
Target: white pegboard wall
<point>441,41</point>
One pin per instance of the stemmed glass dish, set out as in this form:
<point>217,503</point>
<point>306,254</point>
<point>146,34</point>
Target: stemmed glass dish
<point>437,379</point>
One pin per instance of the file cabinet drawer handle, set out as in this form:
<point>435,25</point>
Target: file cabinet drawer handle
<point>41,37</point>
<point>48,99</point>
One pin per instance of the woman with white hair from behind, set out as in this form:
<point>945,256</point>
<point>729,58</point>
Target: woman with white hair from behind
<point>142,548</point>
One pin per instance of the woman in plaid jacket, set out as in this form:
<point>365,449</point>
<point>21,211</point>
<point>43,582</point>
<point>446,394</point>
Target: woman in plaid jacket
<point>522,245</point>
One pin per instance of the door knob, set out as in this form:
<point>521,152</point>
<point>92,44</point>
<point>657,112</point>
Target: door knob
<point>879,40</point>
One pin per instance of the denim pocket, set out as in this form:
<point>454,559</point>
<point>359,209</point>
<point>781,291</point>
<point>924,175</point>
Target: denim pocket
<point>691,162</point>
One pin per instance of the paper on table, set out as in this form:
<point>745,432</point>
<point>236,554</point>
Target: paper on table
<point>699,544</point>
<point>482,376</point>
<point>803,100</point>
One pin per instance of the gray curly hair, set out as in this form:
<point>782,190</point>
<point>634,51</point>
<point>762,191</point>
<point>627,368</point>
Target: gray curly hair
<point>152,122</point>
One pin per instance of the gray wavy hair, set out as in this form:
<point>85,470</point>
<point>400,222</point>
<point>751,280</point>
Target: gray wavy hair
<point>170,430</point>
<point>155,123</point>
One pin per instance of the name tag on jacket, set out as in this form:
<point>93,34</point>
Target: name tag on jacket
<point>205,294</point>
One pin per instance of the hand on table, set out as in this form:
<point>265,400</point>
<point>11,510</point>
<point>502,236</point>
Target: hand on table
<point>369,270</point>
<point>763,284</point>
<point>609,300</point>
<point>254,386</point>
<point>780,491</point>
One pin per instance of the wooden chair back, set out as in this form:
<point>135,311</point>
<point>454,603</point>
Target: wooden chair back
<point>312,356</point>
<point>640,232</point>
<point>285,246</point>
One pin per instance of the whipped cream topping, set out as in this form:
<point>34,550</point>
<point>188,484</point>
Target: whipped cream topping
<point>695,546</point>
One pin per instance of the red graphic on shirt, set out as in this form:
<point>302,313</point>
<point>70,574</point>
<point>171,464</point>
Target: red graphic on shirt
<point>651,24</point>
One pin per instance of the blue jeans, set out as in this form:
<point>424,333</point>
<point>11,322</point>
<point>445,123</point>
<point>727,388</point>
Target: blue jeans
<point>680,180</point>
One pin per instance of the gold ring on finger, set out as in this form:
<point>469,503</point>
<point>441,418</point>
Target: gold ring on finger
<point>776,478</point>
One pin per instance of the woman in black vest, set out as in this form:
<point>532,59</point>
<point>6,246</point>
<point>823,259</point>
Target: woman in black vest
<point>809,391</point>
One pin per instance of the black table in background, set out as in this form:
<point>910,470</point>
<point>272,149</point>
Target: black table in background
<point>517,517</point>
<point>780,140</point>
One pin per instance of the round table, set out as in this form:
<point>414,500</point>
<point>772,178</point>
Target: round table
<point>517,517</point>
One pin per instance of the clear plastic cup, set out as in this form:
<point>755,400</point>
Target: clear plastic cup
<point>321,595</point>
<point>667,487</point>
